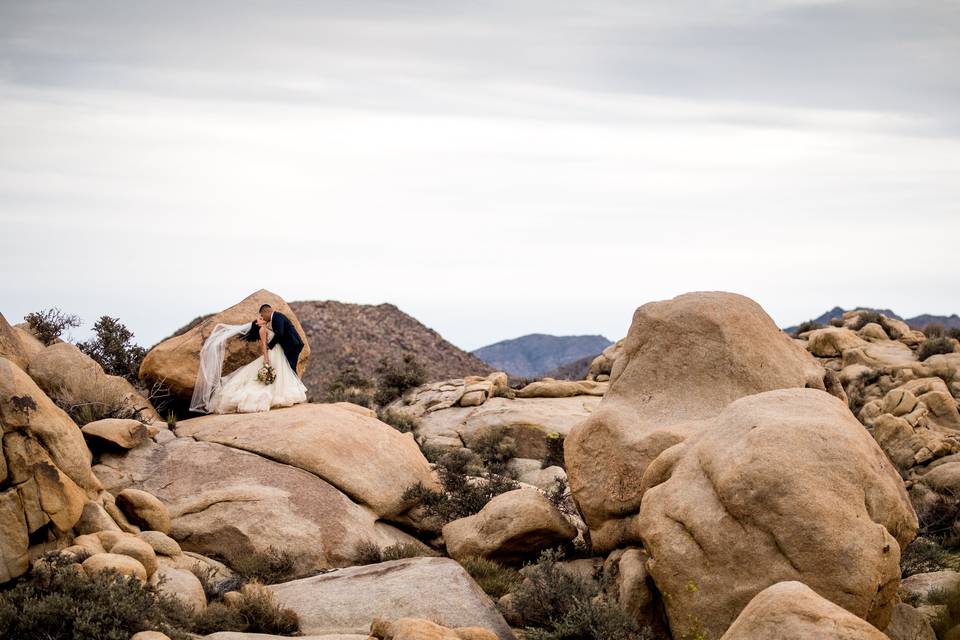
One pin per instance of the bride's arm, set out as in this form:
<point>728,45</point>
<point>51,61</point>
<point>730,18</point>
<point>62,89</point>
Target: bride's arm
<point>263,345</point>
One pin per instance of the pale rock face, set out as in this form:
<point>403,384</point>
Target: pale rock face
<point>511,527</point>
<point>221,496</point>
<point>602,365</point>
<point>833,341</point>
<point>125,433</point>
<point>793,611</point>
<point>63,371</point>
<point>369,461</point>
<point>123,564</point>
<point>562,389</point>
<point>175,361</point>
<point>11,347</point>
<point>345,601</point>
<point>181,584</point>
<point>683,361</point>
<point>784,485</point>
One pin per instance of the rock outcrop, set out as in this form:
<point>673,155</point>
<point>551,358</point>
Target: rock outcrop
<point>793,611</point>
<point>174,362</point>
<point>347,600</point>
<point>11,347</point>
<point>784,485</point>
<point>682,362</point>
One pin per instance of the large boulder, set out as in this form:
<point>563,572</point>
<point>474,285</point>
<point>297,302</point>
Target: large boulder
<point>122,432</point>
<point>73,378</point>
<point>174,362</point>
<point>220,497</point>
<point>347,600</point>
<point>343,444</point>
<point>10,346</point>
<point>831,342</point>
<point>793,611</point>
<point>784,485</point>
<point>45,474</point>
<point>683,361</point>
<point>511,527</point>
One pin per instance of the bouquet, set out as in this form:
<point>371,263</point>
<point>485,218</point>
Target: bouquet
<point>266,375</point>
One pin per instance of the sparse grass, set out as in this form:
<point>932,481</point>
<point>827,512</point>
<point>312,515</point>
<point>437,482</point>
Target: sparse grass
<point>934,346</point>
<point>400,421</point>
<point>395,377</point>
<point>461,495</point>
<point>58,602</point>
<point>271,566</point>
<point>256,611</point>
<point>49,324</point>
<point>370,553</point>
<point>495,579</point>
<point>865,318</point>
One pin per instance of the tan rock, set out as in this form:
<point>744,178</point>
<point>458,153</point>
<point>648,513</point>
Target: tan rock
<point>364,458</point>
<point>110,538</point>
<point>10,346</point>
<point>94,518</point>
<point>793,611</point>
<point>126,433</point>
<point>784,485</point>
<point>70,376</point>
<point>347,600</point>
<point>562,389</point>
<point>90,542</point>
<point>144,509</point>
<point>602,365</point>
<point>420,629</point>
<point>139,550</point>
<point>630,587</point>
<point>683,361</point>
<point>29,342</point>
<point>216,493</point>
<point>873,332</point>
<point>175,360</point>
<point>908,623</point>
<point>831,342</point>
<point>182,585</point>
<point>161,542</point>
<point>924,587</point>
<point>14,536</point>
<point>511,527</point>
<point>122,564</point>
<point>149,635</point>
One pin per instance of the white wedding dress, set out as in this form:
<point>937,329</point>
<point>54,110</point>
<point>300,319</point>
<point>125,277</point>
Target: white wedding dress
<point>240,391</point>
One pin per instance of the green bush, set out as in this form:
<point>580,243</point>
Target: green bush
<point>934,346</point>
<point>466,487</point>
<point>495,579</point>
<point>394,378</point>
<point>49,324</point>
<point>58,602</point>
<point>495,447</point>
<point>112,348</point>
<point>400,421</point>
<point>557,605</point>
<point>808,325</point>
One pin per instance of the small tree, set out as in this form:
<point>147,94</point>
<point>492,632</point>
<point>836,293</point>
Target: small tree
<point>49,324</point>
<point>113,349</point>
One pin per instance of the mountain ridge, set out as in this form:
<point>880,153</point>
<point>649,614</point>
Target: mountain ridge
<point>534,354</point>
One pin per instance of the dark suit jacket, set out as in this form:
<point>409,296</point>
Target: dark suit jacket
<point>285,334</point>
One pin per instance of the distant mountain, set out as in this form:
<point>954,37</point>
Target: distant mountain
<point>359,335</point>
<point>534,355</point>
<point>916,322</point>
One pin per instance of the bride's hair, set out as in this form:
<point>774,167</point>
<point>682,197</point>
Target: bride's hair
<point>253,334</point>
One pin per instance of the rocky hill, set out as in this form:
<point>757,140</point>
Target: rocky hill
<point>360,335</point>
<point>535,354</point>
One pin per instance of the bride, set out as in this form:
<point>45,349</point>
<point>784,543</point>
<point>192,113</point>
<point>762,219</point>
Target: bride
<point>241,391</point>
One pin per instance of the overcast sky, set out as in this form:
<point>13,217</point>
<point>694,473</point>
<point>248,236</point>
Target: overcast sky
<point>492,168</point>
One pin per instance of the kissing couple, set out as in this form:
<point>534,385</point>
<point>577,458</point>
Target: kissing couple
<point>266,382</point>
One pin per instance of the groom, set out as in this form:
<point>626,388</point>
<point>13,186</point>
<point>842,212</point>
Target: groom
<point>284,333</point>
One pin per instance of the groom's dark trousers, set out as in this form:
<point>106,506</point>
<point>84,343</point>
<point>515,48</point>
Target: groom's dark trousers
<point>285,334</point>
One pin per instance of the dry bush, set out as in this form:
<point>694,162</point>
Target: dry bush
<point>807,325</point>
<point>370,553</point>
<point>934,330</point>
<point>495,579</point>
<point>256,611</point>
<point>351,386</point>
<point>49,324</point>
<point>395,377</point>
<point>933,347</point>
<point>400,421</point>
<point>866,318</point>
<point>271,566</point>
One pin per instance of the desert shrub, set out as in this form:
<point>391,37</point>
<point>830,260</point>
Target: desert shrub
<point>857,390</point>
<point>368,552</point>
<point>495,579</point>
<point>866,318</point>
<point>402,422</point>
<point>49,324</point>
<point>923,555</point>
<point>495,447</point>
<point>256,611</point>
<point>560,497</point>
<point>808,325</point>
<point>589,620</point>
<point>350,386</point>
<point>55,601</point>
<point>554,457</point>
<point>934,346</point>
<point>504,392</point>
<point>937,517</point>
<point>213,586</point>
<point>112,348</point>
<point>466,487</point>
<point>396,377</point>
<point>271,566</point>
<point>97,404</point>
<point>953,332</point>
<point>934,330</point>
<point>403,550</point>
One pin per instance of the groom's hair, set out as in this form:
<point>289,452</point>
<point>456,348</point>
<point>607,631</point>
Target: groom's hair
<point>264,306</point>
